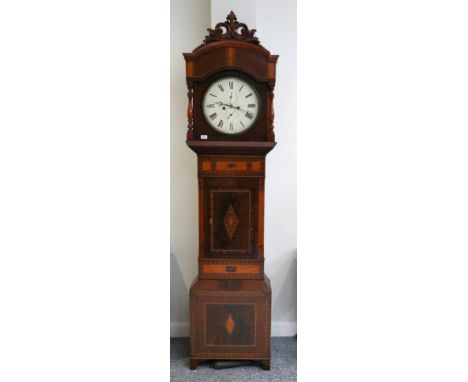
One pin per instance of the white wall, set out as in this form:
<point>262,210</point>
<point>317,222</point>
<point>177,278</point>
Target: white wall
<point>245,10</point>
<point>276,24</point>
<point>189,20</point>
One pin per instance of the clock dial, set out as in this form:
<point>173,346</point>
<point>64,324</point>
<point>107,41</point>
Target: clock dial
<point>231,105</point>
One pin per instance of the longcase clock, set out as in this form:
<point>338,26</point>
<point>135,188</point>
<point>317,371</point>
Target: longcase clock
<point>230,79</point>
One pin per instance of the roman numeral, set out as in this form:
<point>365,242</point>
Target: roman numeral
<point>249,115</point>
<point>231,85</point>
<point>220,87</point>
<point>248,95</point>
<point>230,126</point>
<point>212,105</point>
<point>242,124</point>
<point>241,88</point>
<point>220,124</point>
<point>213,116</point>
<point>251,105</point>
<point>213,95</point>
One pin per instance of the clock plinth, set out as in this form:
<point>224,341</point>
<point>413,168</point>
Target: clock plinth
<point>230,320</point>
<point>231,79</point>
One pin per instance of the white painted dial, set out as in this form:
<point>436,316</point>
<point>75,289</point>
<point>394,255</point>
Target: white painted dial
<point>231,105</point>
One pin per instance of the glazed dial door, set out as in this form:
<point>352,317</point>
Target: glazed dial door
<point>231,105</point>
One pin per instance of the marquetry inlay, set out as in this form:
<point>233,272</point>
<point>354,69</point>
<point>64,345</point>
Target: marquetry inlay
<point>206,165</point>
<point>230,56</point>
<point>230,325</point>
<point>231,221</point>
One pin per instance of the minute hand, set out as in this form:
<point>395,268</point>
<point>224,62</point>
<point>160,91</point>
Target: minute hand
<point>232,106</point>
<point>238,108</point>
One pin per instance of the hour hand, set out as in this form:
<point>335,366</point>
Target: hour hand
<point>225,104</point>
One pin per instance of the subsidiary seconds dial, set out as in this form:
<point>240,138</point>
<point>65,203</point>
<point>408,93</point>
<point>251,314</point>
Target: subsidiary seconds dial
<point>230,105</point>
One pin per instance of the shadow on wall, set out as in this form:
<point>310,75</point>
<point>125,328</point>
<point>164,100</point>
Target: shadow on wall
<point>285,306</point>
<point>179,295</point>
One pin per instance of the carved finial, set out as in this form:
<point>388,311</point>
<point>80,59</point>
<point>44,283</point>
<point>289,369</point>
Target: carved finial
<point>231,29</point>
<point>231,17</point>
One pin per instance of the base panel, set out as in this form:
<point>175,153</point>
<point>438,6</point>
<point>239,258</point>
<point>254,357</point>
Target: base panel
<point>230,320</point>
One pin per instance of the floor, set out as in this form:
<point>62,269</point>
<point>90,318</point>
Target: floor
<point>283,364</point>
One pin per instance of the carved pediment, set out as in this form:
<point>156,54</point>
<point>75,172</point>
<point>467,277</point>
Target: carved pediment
<point>231,29</point>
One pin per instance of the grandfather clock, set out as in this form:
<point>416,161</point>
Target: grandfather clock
<point>230,79</point>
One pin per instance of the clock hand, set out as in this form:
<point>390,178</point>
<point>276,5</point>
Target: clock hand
<point>238,108</point>
<point>225,104</point>
<point>231,106</point>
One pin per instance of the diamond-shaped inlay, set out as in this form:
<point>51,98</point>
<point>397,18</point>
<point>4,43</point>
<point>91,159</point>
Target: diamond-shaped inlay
<point>230,325</point>
<point>231,221</point>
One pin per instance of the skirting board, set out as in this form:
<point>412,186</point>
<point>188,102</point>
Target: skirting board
<point>278,329</point>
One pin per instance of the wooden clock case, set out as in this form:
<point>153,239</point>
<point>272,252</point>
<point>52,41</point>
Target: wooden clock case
<point>230,300</point>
